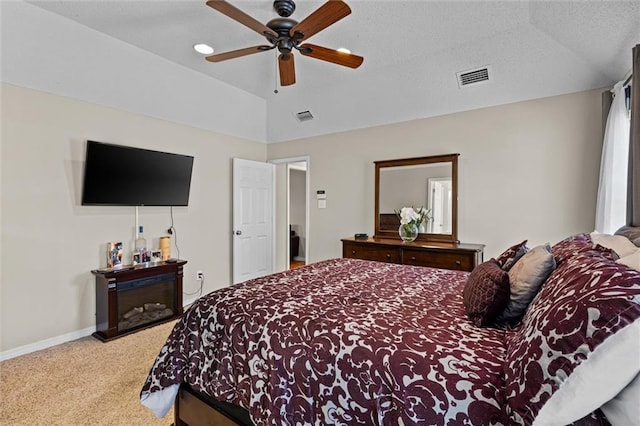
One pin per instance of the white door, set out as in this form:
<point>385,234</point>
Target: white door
<point>252,219</point>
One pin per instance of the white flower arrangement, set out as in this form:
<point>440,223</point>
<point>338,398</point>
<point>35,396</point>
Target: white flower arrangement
<point>411,217</point>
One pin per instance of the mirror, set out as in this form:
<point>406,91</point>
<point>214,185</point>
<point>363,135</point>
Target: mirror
<point>429,182</point>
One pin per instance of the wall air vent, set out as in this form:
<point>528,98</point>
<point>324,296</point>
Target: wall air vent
<point>476,76</point>
<point>304,116</point>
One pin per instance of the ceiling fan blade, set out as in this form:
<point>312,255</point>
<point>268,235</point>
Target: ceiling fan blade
<point>324,16</point>
<point>237,53</point>
<point>287,69</point>
<point>330,55</point>
<point>236,14</point>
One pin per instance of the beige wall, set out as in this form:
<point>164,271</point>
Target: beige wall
<point>527,170</point>
<point>50,242</point>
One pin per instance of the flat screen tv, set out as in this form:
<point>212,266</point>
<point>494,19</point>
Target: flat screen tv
<point>116,175</point>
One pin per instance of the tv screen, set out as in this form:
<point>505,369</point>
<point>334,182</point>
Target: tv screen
<point>116,175</point>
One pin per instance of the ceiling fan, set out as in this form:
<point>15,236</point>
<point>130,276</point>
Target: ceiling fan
<point>286,34</point>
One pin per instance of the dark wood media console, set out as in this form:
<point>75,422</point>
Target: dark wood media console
<point>132,298</point>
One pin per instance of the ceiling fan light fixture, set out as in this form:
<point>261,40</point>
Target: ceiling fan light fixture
<point>203,49</point>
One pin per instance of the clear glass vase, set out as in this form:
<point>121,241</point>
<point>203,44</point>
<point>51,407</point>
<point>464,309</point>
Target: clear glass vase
<point>408,232</point>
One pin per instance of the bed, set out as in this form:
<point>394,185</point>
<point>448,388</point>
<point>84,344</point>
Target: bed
<point>349,341</point>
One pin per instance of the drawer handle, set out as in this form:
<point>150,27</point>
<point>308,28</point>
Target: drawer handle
<point>353,252</point>
<point>413,258</point>
<point>458,263</point>
<point>388,256</point>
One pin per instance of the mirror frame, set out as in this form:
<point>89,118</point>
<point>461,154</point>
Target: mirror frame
<point>447,158</point>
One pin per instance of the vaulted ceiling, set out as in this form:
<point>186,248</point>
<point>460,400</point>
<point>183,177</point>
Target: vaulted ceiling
<point>412,49</point>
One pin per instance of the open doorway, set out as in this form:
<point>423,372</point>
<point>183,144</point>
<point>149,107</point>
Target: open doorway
<point>291,212</point>
<point>440,201</point>
<point>297,213</point>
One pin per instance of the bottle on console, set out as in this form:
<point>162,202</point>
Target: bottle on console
<point>141,246</point>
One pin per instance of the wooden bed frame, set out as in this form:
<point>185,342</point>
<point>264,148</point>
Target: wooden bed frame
<point>197,409</point>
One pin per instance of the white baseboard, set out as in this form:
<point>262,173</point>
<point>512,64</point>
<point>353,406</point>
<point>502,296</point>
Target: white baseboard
<point>53,341</point>
<point>299,258</point>
<point>47,343</point>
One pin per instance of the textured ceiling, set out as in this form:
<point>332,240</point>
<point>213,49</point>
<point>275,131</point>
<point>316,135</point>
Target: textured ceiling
<point>412,51</point>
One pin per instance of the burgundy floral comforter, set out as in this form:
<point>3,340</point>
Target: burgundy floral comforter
<point>343,341</point>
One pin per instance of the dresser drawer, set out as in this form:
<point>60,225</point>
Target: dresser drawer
<point>459,257</point>
<point>439,259</point>
<point>371,252</point>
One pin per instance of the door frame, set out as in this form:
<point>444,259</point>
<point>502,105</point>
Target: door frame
<point>307,212</point>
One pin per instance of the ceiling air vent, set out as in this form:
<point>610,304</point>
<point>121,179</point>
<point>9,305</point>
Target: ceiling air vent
<point>476,76</point>
<point>304,116</point>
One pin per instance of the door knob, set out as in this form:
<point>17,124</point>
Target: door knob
<point>238,232</point>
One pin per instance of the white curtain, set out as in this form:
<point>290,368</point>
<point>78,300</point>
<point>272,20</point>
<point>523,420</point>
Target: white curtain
<point>611,207</point>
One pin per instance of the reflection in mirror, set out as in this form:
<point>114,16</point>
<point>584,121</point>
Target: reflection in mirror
<point>428,182</point>
<point>439,197</point>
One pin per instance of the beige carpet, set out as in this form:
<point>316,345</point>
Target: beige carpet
<point>84,382</point>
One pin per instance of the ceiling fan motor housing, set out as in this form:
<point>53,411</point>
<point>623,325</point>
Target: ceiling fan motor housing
<point>282,26</point>
<point>284,8</point>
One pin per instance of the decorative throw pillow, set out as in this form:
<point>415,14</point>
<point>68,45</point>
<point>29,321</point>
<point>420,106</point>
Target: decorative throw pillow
<point>623,409</point>
<point>617,243</point>
<point>486,293</point>
<point>511,255</point>
<point>607,251</point>
<point>631,232</point>
<point>525,279</point>
<point>632,260</point>
<point>594,383</point>
<point>571,246</point>
<point>587,300</point>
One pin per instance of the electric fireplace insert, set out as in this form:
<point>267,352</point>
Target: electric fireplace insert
<point>133,298</point>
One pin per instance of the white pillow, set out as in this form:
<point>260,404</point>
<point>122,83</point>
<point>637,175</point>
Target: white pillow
<point>621,245</point>
<point>632,260</point>
<point>624,410</point>
<point>598,379</point>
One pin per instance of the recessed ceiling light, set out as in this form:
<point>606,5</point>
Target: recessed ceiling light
<point>205,49</point>
<point>343,50</point>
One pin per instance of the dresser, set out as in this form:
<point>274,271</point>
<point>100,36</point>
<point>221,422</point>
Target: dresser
<point>444,255</point>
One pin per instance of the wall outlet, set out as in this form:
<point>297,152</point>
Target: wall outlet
<point>199,275</point>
